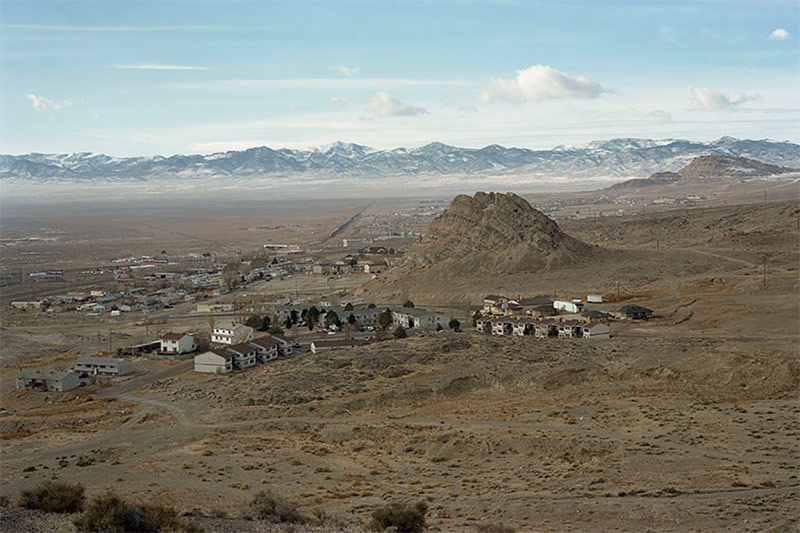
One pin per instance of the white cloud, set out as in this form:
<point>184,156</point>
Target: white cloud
<point>40,103</point>
<point>312,83</point>
<point>778,34</point>
<point>384,105</point>
<point>539,83</point>
<point>348,71</point>
<point>705,98</point>
<point>160,67</point>
<point>338,100</point>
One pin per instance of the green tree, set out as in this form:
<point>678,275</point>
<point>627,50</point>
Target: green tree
<point>477,315</point>
<point>312,317</point>
<point>255,322</point>
<point>332,319</point>
<point>408,303</point>
<point>439,327</point>
<point>288,324</point>
<point>349,306</point>
<point>454,324</point>
<point>385,319</point>
<point>371,306</point>
<point>293,316</point>
<point>351,319</point>
<point>266,323</point>
<point>400,333</point>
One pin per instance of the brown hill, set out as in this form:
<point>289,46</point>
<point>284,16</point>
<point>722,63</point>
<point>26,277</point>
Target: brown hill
<point>493,233</point>
<point>708,168</point>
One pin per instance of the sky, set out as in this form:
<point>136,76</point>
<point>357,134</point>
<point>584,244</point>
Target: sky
<point>146,78</point>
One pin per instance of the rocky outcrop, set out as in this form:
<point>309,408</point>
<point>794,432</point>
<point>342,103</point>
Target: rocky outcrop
<point>722,166</point>
<point>492,233</point>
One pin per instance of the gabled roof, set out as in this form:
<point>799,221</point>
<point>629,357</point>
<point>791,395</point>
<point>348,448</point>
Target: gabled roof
<point>243,348</point>
<point>222,353</point>
<point>49,374</point>
<point>265,342</point>
<point>173,336</point>
<point>325,343</point>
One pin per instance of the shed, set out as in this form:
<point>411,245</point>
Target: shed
<point>47,380</point>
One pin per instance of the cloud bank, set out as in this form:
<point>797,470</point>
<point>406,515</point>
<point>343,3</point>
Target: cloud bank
<point>707,99</point>
<point>539,83</point>
<point>384,105</point>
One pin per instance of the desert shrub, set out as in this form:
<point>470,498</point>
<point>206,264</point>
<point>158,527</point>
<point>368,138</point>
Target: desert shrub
<point>270,507</point>
<point>400,333</point>
<point>111,514</point>
<point>54,498</point>
<point>405,518</point>
<point>4,501</point>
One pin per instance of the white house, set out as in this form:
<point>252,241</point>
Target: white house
<point>103,365</point>
<point>327,345</point>
<point>214,362</point>
<point>597,330</point>
<point>574,306</point>
<point>229,333</point>
<point>177,343</point>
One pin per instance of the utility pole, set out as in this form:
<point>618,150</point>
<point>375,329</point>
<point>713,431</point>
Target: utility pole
<point>765,196</point>
<point>765,274</point>
<point>110,342</point>
<point>617,290</point>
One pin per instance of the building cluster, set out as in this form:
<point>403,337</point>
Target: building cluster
<point>242,355</point>
<point>52,380</point>
<point>541,317</point>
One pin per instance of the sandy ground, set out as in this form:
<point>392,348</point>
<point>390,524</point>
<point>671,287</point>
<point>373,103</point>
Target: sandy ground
<point>686,422</point>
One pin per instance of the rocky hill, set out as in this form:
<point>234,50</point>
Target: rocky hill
<point>478,242</point>
<point>607,159</point>
<point>493,233</point>
<point>710,168</point>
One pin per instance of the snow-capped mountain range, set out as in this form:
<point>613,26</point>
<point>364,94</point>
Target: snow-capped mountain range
<point>615,158</point>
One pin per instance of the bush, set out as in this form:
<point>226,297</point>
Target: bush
<point>111,514</point>
<point>275,330</point>
<point>4,501</point>
<point>454,324</point>
<point>400,333</point>
<point>406,518</point>
<point>54,498</point>
<point>270,507</point>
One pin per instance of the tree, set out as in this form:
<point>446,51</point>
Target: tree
<point>349,306</point>
<point>266,322</point>
<point>409,303</point>
<point>255,322</point>
<point>293,316</point>
<point>332,319</point>
<point>385,319</point>
<point>275,330</point>
<point>454,324</point>
<point>475,317</point>
<point>351,319</point>
<point>371,306</point>
<point>400,333</point>
<point>312,317</point>
<point>439,327</point>
<point>288,324</point>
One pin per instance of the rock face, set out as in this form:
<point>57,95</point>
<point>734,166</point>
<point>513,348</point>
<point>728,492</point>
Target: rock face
<point>492,233</point>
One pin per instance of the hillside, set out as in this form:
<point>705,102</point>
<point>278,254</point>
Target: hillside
<point>708,168</point>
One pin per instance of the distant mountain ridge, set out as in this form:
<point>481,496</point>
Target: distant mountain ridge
<point>614,158</point>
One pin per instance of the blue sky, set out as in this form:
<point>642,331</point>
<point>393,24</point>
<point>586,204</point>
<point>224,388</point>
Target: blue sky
<point>134,78</point>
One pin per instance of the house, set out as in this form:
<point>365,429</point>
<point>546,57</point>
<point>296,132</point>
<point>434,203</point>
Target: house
<point>47,380</point>
<point>501,327</point>
<point>574,306</point>
<point>374,268</point>
<point>635,312</point>
<point>569,329</point>
<point>177,343</point>
<point>545,329</point>
<point>214,362</point>
<point>36,304</point>
<point>594,316</point>
<point>521,328</point>
<point>284,346</point>
<point>543,311</point>
<point>494,304</point>
<point>327,345</point>
<point>112,366</point>
<point>266,348</point>
<point>597,330</point>
<point>244,355</point>
<point>483,325</point>
<point>230,333</point>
